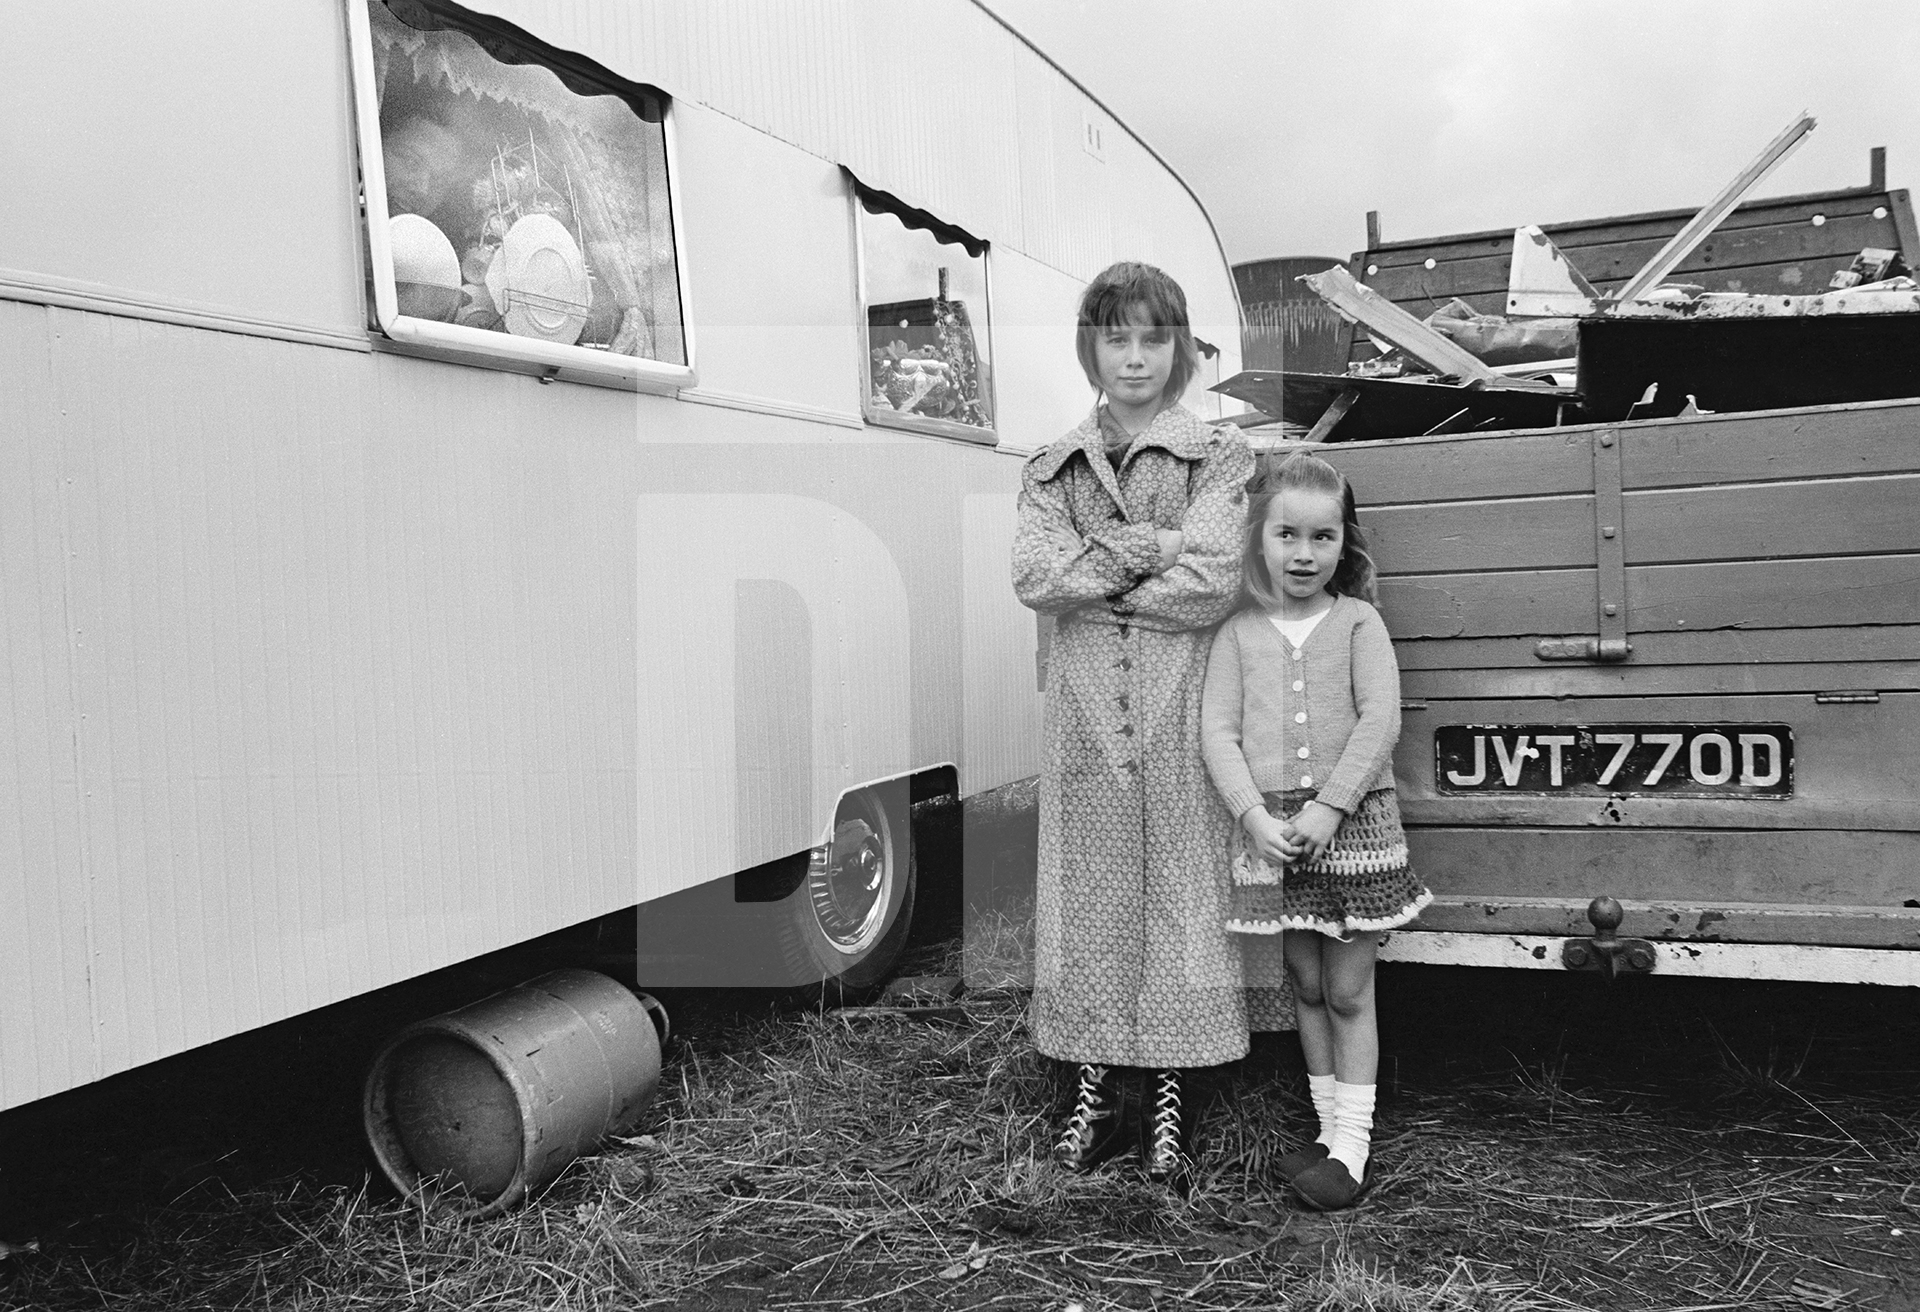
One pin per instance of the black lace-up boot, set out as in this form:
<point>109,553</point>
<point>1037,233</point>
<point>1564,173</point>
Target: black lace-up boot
<point>1166,1131</point>
<point>1096,1130</point>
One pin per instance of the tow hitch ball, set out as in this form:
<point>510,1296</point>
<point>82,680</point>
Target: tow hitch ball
<point>1604,952</point>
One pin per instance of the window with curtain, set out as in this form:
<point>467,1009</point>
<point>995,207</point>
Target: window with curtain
<point>526,191</point>
<point>924,289</point>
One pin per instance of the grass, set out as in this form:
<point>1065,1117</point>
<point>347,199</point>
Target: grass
<point>1543,1142</point>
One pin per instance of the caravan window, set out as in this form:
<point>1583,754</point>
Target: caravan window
<point>521,206</point>
<point>924,290</point>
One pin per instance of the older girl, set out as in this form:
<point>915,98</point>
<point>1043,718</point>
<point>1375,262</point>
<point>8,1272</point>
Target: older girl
<point>1128,535</point>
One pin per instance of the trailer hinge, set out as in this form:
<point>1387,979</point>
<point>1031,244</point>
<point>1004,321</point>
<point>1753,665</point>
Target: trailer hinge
<point>1603,952</point>
<point>1610,541</point>
<point>1582,649</point>
<point>1610,564</point>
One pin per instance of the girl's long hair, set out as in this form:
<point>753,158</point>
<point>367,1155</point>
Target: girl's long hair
<point>1354,576</point>
<point>1111,298</point>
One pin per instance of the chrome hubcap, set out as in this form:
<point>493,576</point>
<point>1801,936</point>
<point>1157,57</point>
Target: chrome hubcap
<point>848,884</point>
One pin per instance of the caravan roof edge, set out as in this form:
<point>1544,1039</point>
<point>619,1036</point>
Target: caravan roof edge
<point>1144,144</point>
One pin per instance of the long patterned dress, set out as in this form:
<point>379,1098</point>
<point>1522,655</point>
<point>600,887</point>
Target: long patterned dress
<point>1133,965</point>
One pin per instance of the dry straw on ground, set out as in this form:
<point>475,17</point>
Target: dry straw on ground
<point>1542,1144</point>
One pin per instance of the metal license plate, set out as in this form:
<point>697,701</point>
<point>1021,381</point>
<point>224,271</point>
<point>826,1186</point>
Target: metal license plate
<point>1666,760</point>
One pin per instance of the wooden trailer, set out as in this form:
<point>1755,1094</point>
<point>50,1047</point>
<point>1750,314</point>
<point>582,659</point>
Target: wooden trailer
<point>1674,663</point>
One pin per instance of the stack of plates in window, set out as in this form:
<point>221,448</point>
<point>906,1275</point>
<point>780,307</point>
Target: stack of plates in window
<point>538,279</point>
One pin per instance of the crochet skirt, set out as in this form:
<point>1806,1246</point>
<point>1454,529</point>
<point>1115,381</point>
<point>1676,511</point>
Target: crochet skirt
<point>1362,882</point>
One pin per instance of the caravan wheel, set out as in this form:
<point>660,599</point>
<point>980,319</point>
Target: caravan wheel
<point>849,920</point>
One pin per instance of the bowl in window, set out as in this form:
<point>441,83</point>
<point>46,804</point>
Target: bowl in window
<point>426,272</point>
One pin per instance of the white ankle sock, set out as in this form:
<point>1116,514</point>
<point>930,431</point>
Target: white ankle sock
<point>1352,1127</point>
<point>1320,1089</point>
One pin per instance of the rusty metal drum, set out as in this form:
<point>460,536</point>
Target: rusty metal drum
<point>484,1106</point>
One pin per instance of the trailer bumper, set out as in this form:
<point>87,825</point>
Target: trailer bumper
<point>1826,965</point>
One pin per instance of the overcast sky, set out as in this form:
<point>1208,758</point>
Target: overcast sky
<point>1293,119</point>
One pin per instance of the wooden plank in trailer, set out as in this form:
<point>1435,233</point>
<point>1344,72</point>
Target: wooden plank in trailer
<point>1788,245</point>
<point>1754,257</point>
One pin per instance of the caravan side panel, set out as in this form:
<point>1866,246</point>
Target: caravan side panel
<point>350,670</point>
<point>45,1018</point>
<point>125,160</point>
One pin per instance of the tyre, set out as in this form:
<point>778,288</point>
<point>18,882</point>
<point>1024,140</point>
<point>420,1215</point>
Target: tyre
<point>844,928</point>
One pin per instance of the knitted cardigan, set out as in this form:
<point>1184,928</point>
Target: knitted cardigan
<point>1335,732</point>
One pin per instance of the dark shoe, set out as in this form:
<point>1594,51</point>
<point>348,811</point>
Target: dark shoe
<point>1289,1166</point>
<point>1166,1132</point>
<point>1328,1186</point>
<point>1096,1130</point>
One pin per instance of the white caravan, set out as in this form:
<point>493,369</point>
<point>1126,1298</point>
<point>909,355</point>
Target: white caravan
<point>469,470</point>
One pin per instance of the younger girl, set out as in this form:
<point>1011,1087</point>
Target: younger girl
<point>1128,535</point>
<point>1301,711</point>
